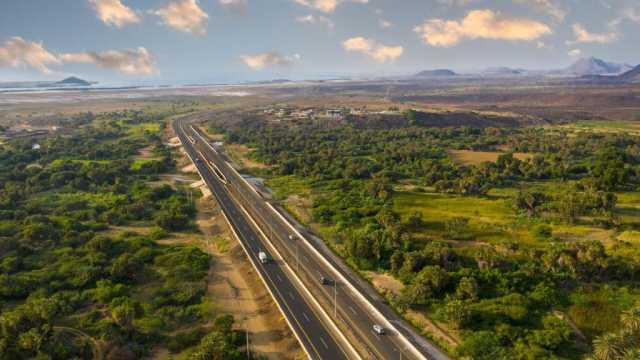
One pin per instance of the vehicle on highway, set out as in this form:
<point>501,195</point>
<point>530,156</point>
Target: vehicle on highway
<point>325,281</point>
<point>263,257</point>
<point>378,329</point>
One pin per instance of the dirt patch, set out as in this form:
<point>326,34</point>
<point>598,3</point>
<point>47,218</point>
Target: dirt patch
<point>146,153</point>
<point>422,322</point>
<point>469,157</point>
<point>384,283</point>
<point>241,155</point>
<point>300,207</point>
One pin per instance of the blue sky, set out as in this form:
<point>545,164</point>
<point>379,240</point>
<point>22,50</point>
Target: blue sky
<point>188,41</point>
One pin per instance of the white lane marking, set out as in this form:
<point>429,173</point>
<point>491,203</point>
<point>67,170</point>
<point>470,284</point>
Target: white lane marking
<point>353,310</point>
<point>376,334</point>
<point>324,343</point>
<point>291,296</point>
<point>279,278</point>
<point>306,317</point>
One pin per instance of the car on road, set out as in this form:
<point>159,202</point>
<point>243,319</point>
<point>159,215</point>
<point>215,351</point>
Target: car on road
<point>263,257</point>
<point>378,329</point>
<point>326,281</point>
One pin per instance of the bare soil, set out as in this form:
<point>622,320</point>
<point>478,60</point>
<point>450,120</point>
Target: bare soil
<point>468,157</point>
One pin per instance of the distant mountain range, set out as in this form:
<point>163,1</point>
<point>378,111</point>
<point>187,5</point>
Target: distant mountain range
<point>68,82</point>
<point>435,73</point>
<point>586,67</point>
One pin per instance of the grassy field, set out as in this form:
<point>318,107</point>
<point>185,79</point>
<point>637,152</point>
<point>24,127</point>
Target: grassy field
<point>493,219</point>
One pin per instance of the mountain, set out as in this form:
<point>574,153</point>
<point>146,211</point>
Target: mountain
<point>436,73</point>
<point>503,71</point>
<point>631,76</point>
<point>594,66</point>
<point>68,82</point>
<point>72,81</point>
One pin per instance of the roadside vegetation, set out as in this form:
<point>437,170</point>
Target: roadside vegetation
<point>75,280</point>
<point>534,254</point>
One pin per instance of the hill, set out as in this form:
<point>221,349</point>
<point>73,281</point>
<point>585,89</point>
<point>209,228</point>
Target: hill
<point>436,73</point>
<point>72,81</point>
<point>594,66</point>
<point>631,76</point>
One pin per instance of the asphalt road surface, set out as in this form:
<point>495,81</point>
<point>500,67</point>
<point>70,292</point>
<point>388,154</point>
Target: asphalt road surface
<point>349,306</point>
<point>316,339</point>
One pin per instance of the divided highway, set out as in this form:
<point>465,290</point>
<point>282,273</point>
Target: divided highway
<point>312,334</point>
<point>338,298</point>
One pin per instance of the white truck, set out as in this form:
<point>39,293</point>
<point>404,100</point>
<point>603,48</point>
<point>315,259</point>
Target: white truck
<point>263,257</point>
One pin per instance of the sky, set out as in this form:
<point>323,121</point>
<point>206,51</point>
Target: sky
<point>205,41</point>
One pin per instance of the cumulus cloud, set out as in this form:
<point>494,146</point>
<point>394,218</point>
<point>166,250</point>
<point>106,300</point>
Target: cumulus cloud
<point>326,5</point>
<point>575,52</point>
<point>18,52</point>
<point>269,59</point>
<point>584,36</point>
<point>549,7</point>
<point>235,5</point>
<point>131,62</point>
<point>316,19</point>
<point>378,52</point>
<point>480,24</point>
<point>185,16</point>
<point>114,13</point>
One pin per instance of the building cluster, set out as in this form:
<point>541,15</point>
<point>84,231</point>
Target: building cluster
<point>292,113</point>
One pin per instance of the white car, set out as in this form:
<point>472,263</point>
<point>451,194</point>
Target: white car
<point>378,329</point>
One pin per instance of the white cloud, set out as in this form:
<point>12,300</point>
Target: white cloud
<point>18,52</point>
<point>185,16</point>
<point>269,59</point>
<point>316,19</point>
<point>626,13</point>
<point>460,3</point>
<point>584,36</point>
<point>114,13</point>
<point>234,5</point>
<point>575,52</point>
<point>550,7</point>
<point>384,24</point>
<point>131,62</point>
<point>326,5</point>
<point>480,24</point>
<point>378,52</point>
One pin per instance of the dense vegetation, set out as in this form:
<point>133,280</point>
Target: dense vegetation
<point>75,285</point>
<point>506,298</point>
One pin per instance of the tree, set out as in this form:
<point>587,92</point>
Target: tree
<point>467,289</point>
<point>428,283</point>
<point>630,319</point>
<point>530,202</point>
<point>457,313</point>
<point>608,347</point>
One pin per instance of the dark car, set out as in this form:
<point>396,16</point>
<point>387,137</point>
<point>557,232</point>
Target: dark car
<point>325,281</point>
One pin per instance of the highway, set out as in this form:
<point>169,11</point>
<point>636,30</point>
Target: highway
<point>317,341</point>
<point>345,298</point>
